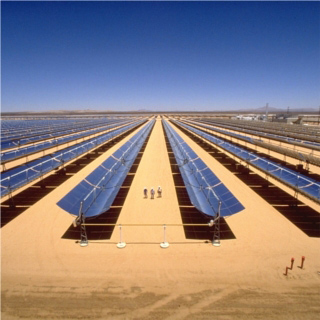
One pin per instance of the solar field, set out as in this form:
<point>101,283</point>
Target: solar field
<point>239,200</point>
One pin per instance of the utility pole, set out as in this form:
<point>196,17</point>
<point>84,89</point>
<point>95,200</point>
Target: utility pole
<point>267,105</point>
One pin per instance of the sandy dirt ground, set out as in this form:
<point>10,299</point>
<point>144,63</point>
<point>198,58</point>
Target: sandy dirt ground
<point>47,277</point>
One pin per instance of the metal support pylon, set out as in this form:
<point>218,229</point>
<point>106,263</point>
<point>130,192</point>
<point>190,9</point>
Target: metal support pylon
<point>216,232</point>
<point>83,232</point>
<point>11,202</point>
<point>84,238</point>
<point>307,165</point>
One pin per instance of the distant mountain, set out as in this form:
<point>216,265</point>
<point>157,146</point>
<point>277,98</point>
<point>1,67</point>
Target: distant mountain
<point>279,110</point>
<point>142,110</point>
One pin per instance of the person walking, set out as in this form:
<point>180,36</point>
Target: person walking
<point>145,192</point>
<point>159,192</point>
<point>152,193</point>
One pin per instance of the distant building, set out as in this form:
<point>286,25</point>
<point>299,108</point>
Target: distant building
<point>285,118</point>
<point>251,117</point>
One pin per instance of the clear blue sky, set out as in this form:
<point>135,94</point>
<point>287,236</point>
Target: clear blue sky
<point>126,56</point>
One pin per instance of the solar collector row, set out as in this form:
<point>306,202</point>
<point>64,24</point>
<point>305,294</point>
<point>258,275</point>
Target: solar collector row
<point>285,151</point>
<point>293,141</point>
<point>297,181</point>
<point>18,127</point>
<point>22,175</point>
<point>28,150</point>
<point>283,128</point>
<point>38,127</point>
<point>96,193</point>
<point>11,143</point>
<point>206,192</point>
<point>11,127</point>
<point>312,140</point>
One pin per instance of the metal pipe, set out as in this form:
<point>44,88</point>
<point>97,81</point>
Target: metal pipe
<point>148,224</point>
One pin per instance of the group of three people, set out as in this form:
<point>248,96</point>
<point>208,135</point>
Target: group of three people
<point>152,192</point>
